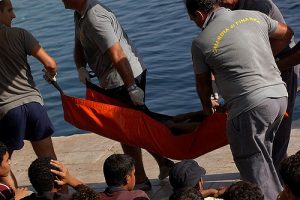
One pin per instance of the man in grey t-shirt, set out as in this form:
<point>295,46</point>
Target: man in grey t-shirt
<point>289,76</point>
<point>102,44</point>
<point>22,114</point>
<point>234,46</point>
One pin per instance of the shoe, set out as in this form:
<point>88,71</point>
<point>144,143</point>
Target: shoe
<point>165,169</point>
<point>145,185</point>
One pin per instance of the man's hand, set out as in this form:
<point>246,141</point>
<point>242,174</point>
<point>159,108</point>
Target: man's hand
<point>136,95</point>
<point>64,177</point>
<point>49,77</point>
<point>83,75</point>
<point>212,108</point>
<point>20,193</point>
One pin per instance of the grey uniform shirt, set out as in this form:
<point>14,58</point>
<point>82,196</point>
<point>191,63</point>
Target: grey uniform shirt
<point>17,86</point>
<point>98,30</point>
<point>269,8</point>
<point>235,47</point>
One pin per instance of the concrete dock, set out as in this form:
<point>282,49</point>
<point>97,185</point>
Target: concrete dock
<point>84,156</point>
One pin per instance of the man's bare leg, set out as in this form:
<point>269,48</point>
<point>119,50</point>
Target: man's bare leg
<point>164,164</point>
<point>44,148</point>
<point>136,154</point>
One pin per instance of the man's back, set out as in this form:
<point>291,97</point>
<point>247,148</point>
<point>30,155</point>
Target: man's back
<point>16,82</point>
<point>235,46</point>
<point>123,194</point>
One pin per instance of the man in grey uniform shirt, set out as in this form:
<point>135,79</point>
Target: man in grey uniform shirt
<point>101,43</point>
<point>234,46</point>
<point>22,114</point>
<point>289,76</point>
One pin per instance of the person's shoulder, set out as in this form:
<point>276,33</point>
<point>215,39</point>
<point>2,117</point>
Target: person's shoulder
<point>96,8</point>
<point>264,6</point>
<point>139,195</point>
<point>250,13</point>
<point>18,30</point>
<point>6,191</point>
<point>125,194</point>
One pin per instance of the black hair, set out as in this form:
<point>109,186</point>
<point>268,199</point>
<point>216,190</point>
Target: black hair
<point>2,5</point>
<point>116,167</point>
<point>84,192</point>
<point>187,193</point>
<point>243,190</point>
<point>289,170</point>
<point>3,150</point>
<point>40,176</point>
<point>202,5</point>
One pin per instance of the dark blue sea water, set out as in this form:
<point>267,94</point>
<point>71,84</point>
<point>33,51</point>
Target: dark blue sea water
<point>160,29</point>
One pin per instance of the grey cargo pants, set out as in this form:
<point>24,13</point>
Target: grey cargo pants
<point>251,136</point>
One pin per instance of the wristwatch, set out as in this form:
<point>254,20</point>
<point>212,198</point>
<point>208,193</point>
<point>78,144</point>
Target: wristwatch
<point>132,87</point>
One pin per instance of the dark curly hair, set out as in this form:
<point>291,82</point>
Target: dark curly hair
<point>84,192</point>
<point>187,193</point>
<point>289,170</point>
<point>40,176</point>
<point>3,150</point>
<point>243,190</point>
<point>202,5</point>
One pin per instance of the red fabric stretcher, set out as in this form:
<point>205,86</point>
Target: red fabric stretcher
<point>119,122</point>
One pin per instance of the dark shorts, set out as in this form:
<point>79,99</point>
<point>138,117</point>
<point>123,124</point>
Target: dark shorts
<point>27,122</point>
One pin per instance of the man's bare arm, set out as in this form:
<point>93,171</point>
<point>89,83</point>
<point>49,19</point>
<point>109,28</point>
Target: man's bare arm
<point>290,59</point>
<point>280,38</point>
<point>204,90</point>
<point>49,63</point>
<point>121,63</point>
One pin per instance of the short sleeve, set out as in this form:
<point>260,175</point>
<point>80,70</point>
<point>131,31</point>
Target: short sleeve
<point>29,41</point>
<point>271,23</point>
<point>198,59</point>
<point>104,35</point>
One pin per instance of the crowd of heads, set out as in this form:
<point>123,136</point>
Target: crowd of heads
<point>186,178</point>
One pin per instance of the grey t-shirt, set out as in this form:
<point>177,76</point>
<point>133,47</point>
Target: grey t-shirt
<point>269,8</point>
<point>16,82</point>
<point>235,47</point>
<point>98,30</point>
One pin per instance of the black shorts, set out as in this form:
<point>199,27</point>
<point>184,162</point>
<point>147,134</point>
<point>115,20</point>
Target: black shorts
<point>26,122</point>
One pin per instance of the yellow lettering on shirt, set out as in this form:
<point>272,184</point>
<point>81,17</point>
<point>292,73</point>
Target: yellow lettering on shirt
<point>231,27</point>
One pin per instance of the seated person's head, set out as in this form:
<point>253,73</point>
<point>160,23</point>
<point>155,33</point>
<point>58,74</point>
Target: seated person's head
<point>4,160</point>
<point>119,171</point>
<point>40,176</point>
<point>243,190</point>
<point>186,173</point>
<point>188,193</point>
<point>289,170</point>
